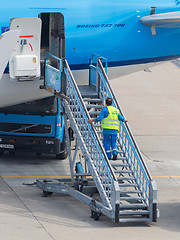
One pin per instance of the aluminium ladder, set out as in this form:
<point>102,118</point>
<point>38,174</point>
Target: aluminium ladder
<point>123,190</point>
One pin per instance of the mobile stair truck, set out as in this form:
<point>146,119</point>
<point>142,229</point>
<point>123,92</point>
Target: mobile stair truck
<point>122,190</point>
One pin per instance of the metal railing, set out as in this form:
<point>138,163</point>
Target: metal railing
<point>93,68</point>
<point>53,72</point>
<point>90,144</point>
<point>126,139</point>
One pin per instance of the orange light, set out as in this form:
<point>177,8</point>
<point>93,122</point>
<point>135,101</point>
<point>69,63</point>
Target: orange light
<point>35,142</point>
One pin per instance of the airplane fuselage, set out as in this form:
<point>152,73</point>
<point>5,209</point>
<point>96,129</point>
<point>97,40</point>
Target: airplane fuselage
<point>111,29</point>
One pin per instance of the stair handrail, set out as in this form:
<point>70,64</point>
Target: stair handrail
<point>90,127</point>
<point>98,57</point>
<point>126,124</point>
<point>146,182</point>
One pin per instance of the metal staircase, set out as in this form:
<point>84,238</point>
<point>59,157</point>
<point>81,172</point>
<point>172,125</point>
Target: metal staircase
<point>123,189</point>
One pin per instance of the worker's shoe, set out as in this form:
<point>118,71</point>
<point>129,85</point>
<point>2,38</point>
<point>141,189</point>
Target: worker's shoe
<point>109,158</point>
<point>115,157</point>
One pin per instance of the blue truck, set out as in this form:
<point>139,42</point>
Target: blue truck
<point>35,126</point>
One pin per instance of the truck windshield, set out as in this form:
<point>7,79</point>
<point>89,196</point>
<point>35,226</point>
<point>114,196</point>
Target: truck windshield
<point>46,107</point>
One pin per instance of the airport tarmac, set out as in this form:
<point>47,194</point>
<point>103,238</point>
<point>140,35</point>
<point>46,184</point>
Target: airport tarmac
<point>150,101</point>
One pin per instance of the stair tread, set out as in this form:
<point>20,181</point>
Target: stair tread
<point>94,113</point>
<point>133,206</point>
<point>128,185</point>
<point>122,171</point>
<point>135,219</point>
<point>130,191</point>
<point>131,198</point>
<point>94,106</point>
<point>120,158</point>
<point>92,100</point>
<point>134,212</point>
<point>120,165</point>
<point>125,178</point>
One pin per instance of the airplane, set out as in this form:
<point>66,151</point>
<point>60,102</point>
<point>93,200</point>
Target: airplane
<point>124,32</point>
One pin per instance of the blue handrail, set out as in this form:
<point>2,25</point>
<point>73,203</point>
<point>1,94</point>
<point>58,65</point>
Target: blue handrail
<point>125,133</point>
<point>98,56</point>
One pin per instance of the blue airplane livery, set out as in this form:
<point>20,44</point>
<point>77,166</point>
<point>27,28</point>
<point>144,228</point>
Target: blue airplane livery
<point>124,32</point>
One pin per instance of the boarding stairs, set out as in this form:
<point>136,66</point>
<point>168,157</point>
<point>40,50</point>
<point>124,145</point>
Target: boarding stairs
<point>123,189</point>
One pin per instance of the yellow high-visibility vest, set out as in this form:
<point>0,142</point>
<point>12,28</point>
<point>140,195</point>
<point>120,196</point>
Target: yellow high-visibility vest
<point>111,121</point>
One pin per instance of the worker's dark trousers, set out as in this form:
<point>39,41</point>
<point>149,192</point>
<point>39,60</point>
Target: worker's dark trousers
<point>110,143</point>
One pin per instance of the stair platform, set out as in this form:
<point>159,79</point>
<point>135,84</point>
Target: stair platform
<point>88,91</point>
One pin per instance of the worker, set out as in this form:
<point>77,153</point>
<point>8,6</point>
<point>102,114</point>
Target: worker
<point>110,118</point>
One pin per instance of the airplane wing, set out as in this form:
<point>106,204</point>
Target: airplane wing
<point>7,43</point>
<point>163,20</point>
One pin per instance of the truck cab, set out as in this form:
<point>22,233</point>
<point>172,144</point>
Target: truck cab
<point>35,126</point>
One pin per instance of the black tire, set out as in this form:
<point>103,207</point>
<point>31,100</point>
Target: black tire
<point>47,194</point>
<point>62,156</point>
<point>63,149</point>
<point>95,215</point>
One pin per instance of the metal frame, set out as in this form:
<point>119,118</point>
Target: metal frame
<point>144,180</point>
<point>104,179</point>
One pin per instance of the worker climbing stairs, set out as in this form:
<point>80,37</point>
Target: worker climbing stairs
<point>122,190</point>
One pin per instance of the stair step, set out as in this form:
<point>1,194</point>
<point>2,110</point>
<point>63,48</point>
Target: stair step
<point>122,171</point>
<point>96,113</point>
<point>89,106</point>
<point>128,185</point>
<point>131,198</point>
<point>130,192</point>
<point>125,178</point>
<point>133,206</point>
<point>119,165</point>
<point>135,219</point>
<point>120,158</point>
<point>138,212</point>
<point>92,100</point>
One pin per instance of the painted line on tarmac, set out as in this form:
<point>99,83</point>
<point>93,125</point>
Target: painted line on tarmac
<point>36,176</point>
<point>70,176</point>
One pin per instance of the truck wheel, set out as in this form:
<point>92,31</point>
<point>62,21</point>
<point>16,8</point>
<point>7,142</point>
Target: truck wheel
<point>63,149</point>
<point>62,156</point>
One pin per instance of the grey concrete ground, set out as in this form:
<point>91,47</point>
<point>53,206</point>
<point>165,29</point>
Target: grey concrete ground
<point>150,101</point>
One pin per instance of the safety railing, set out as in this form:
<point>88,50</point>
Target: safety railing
<point>53,72</point>
<point>93,68</point>
<point>90,144</point>
<point>126,139</point>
